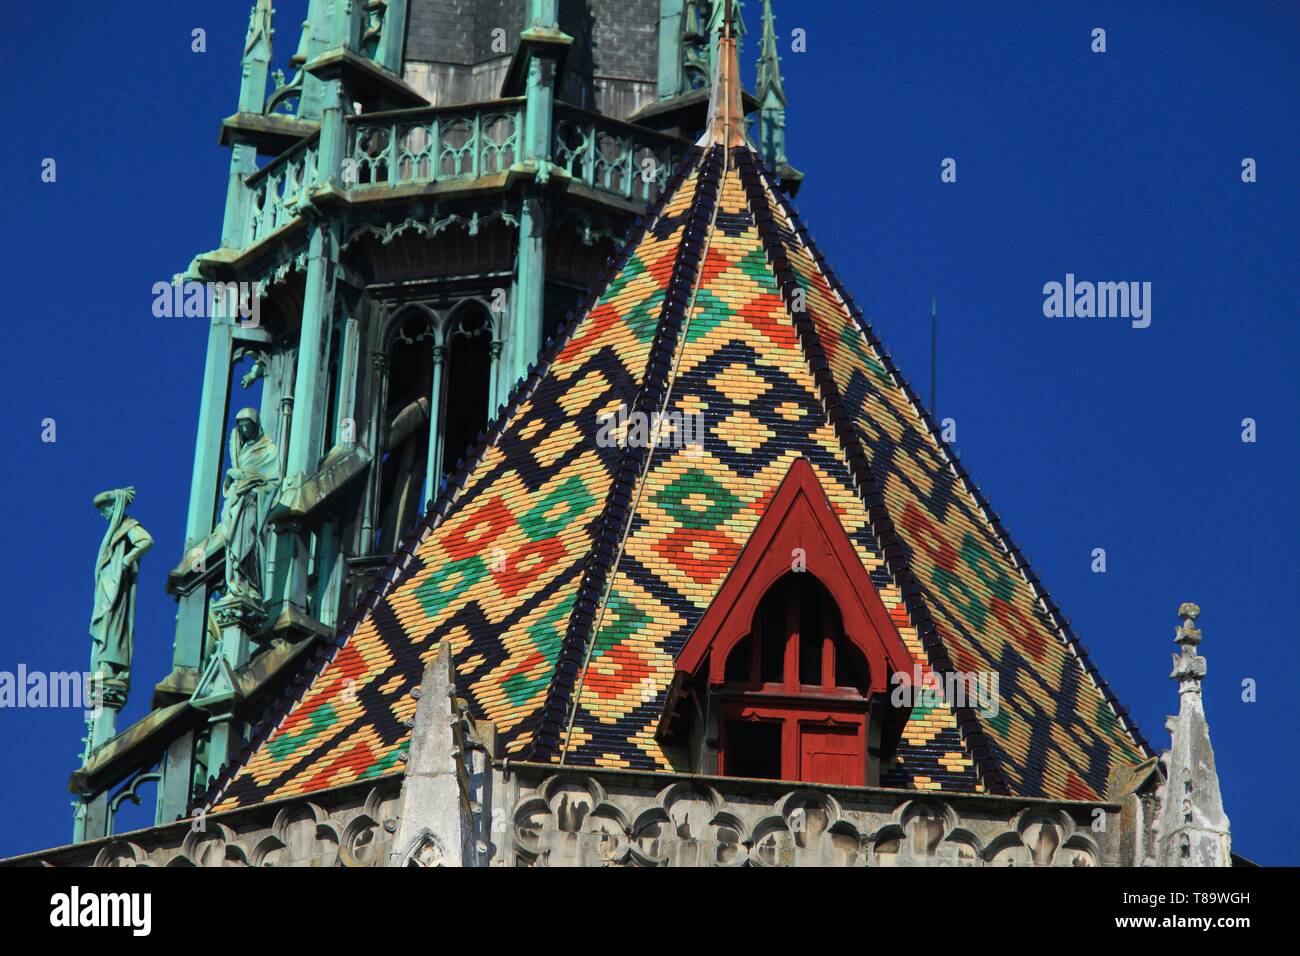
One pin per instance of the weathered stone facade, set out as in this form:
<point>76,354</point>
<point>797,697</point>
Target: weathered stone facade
<point>457,804</point>
<point>541,817</point>
<point>612,818</point>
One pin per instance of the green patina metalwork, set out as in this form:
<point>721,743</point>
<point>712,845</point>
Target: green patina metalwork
<point>771,95</point>
<point>611,156</point>
<point>688,38</point>
<point>112,621</point>
<point>540,44</point>
<point>251,485</point>
<point>670,47</point>
<point>525,151</point>
<point>425,146</point>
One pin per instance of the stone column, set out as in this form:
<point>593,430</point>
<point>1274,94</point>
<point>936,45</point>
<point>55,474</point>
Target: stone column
<point>90,818</point>
<point>539,113</point>
<point>375,435</point>
<point>311,384</point>
<point>529,289</point>
<point>192,597</point>
<point>670,48</point>
<point>389,53</point>
<point>494,386</point>
<point>433,467</point>
<point>307,434</point>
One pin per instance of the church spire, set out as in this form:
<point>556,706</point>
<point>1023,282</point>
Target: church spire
<point>726,123</point>
<point>769,62</point>
<point>771,96</point>
<point>719,13</point>
<point>257,59</point>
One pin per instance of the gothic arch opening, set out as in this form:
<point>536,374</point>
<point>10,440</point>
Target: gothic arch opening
<point>797,641</point>
<point>405,425</point>
<point>467,381</point>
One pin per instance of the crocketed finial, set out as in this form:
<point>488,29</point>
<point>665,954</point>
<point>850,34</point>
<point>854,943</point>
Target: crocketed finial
<point>1189,667</point>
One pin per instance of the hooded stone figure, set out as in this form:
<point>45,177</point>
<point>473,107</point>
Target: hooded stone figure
<point>112,622</point>
<point>250,489</point>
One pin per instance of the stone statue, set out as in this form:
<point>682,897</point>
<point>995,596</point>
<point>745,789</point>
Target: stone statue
<point>112,622</point>
<point>250,489</point>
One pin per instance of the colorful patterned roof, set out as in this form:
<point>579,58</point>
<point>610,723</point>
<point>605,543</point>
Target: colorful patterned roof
<point>567,570</point>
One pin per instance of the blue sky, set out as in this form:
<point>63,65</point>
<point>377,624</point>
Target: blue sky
<point>1084,433</point>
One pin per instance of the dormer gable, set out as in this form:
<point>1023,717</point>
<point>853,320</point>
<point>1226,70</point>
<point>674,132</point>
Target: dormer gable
<point>788,672</point>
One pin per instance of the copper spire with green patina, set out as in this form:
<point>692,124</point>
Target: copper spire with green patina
<point>772,104</point>
<point>726,123</point>
<point>771,93</point>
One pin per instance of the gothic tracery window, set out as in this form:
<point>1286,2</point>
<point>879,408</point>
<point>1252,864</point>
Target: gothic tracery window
<point>405,425</point>
<point>439,372</point>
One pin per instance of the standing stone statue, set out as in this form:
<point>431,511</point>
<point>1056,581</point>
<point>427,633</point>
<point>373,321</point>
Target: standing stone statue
<point>250,488</point>
<point>112,622</point>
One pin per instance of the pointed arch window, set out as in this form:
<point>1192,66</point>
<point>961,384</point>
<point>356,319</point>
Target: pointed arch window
<point>407,366</point>
<point>797,644</point>
<point>471,368</point>
<point>438,374</point>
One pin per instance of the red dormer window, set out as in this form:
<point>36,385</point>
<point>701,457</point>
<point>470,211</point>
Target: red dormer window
<point>794,701</point>
<point>787,675</point>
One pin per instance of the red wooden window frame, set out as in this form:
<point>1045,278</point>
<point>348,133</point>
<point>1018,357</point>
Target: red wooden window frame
<point>799,709</point>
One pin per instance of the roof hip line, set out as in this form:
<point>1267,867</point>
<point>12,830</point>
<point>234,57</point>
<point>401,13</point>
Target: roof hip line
<point>1000,533</point>
<point>882,525</point>
<point>1062,626</point>
<point>564,697</point>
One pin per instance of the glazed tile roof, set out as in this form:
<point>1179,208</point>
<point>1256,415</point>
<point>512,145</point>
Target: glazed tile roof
<point>569,570</point>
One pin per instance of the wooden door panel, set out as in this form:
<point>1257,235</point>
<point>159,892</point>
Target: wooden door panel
<point>830,754</point>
